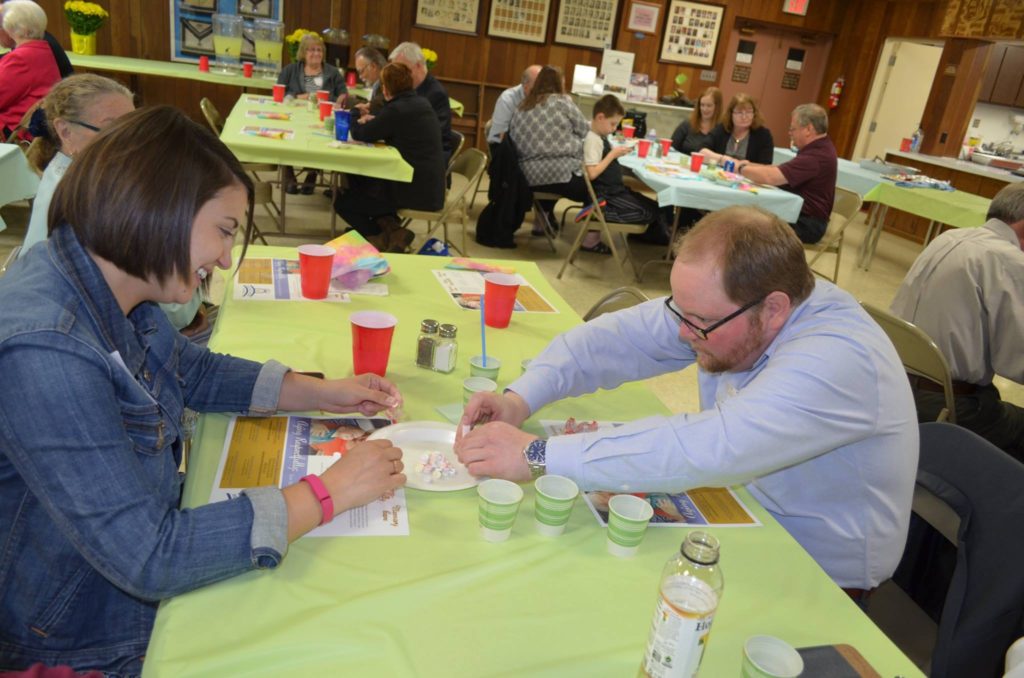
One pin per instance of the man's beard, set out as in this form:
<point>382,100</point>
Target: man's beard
<point>716,364</point>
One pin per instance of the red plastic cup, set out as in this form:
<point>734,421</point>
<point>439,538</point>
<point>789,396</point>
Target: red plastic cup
<point>905,144</point>
<point>247,69</point>
<point>315,270</point>
<point>500,291</point>
<point>627,131</point>
<point>326,109</point>
<point>666,146</point>
<point>696,160</point>
<point>371,341</point>
<point>642,147</point>
<point>204,64</point>
<point>350,79</point>
<point>278,93</point>
<point>322,95</point>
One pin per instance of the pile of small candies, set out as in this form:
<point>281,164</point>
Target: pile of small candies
<point>434,466</point>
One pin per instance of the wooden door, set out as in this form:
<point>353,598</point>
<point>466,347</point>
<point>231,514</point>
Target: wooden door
<point>779,68</point>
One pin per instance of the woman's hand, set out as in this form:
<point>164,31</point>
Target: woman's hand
<point>364,473</point>
<point>367,394</point>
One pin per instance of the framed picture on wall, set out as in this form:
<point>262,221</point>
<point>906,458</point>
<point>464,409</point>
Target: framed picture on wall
<point>691,32</point>
<point>256,8</point>
<point>455,16</point>
<point>587,23</point>
<point>643,17</point>
<point>519,19</point>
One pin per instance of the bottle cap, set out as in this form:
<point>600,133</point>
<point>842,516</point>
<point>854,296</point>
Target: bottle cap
<point>428,326</point>
<point>448,331</point>
<point>700,547</point>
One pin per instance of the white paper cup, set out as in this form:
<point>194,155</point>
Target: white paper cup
<point>498,505</point>
<point>553,502</point>
<point>770,657</point>
<point>628,517</point>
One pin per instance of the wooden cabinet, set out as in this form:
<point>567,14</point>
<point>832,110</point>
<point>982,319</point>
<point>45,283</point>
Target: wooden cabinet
<point>1004,77</point>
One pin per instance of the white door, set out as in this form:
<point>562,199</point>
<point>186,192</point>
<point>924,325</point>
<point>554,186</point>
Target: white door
<point>898,95</point>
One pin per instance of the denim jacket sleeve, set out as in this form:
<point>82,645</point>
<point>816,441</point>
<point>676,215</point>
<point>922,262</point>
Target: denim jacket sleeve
<point>91,448</point>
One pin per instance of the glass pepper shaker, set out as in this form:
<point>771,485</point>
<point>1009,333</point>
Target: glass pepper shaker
<point>425,344</point>
<point>446,350</point>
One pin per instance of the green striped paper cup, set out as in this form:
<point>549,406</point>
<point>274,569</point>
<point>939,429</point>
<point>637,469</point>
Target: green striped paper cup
<point>628,517</point>
<point>553,503</point>
<point>499,504</point>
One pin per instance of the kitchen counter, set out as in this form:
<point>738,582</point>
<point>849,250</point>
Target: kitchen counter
<point>956,165</point>
<point>660,117</point>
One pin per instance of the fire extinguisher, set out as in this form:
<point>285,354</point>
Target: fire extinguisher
<point>835,92</point>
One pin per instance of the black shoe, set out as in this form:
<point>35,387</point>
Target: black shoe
<point>292,189</point>
<point>599,248</point>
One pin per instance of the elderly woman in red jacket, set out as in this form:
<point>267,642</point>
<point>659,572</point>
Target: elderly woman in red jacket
<point>29,70</point>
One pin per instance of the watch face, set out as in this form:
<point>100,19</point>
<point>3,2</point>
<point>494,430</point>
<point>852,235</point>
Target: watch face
<point>535,452</point>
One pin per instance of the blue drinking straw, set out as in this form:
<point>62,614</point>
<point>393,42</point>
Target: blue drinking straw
<point>483,332</point>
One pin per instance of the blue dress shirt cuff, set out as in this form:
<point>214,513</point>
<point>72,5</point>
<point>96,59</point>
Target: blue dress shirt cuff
<point>269,536</point>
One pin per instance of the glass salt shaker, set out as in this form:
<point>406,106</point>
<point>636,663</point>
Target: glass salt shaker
<point>446,349</point>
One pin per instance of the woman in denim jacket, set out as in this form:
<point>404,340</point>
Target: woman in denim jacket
<point>90,437</point>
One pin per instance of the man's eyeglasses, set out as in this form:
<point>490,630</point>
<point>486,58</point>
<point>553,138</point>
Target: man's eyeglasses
<point>703,332</point>
<point>86,125</point>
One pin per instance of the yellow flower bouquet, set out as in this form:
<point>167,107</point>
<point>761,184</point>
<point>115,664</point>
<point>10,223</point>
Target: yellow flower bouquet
<point>85,18</point>
<point>430,57</point>
<point>293,39</point>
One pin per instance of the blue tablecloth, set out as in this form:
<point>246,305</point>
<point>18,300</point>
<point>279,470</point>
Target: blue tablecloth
<point>851,176</point>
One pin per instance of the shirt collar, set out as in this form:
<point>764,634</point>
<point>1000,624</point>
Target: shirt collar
<point>1003,230</point>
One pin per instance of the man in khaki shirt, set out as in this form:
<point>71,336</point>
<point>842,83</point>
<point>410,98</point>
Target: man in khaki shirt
<point>966,292</point>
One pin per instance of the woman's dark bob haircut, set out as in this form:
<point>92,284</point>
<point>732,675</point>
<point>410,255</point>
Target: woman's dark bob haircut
<point>132,195</point>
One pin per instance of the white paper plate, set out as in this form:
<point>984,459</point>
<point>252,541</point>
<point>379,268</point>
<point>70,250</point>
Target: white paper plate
<point>417,438</point>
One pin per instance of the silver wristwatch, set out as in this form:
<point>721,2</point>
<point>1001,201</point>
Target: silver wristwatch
<point>536,457</point>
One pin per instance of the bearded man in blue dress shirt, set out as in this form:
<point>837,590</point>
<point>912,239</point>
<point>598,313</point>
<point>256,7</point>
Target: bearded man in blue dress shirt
<point>803,399</point>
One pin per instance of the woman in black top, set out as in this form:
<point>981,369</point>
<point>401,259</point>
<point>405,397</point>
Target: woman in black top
<point>741,135</point>
<point>694,133</point>
<point>408,123</point>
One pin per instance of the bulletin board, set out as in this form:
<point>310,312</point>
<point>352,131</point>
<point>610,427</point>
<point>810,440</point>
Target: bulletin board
<point>691,34</point>
<point>454,16</point>
<point>519,19</point>
<point>587,23</point>
<point>192,25</point>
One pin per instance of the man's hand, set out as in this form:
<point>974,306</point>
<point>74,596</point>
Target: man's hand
<point>484,407</point>
<point>496,450</point>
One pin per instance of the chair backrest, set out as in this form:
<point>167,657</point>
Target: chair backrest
<point>212,116</point>
<point>470,164</point>
<point>982,609</point>
<point>459,141</point>
<point>846,206</point>
<point>616,300</point>
<point>595,212</point>
<point>26,119</point>
<point>847,203</point>
<point>918,353</point>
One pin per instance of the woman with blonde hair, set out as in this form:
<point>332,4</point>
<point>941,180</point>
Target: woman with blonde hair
<point>694,133</point>
<point>741,135</point>
<point>67,120</point>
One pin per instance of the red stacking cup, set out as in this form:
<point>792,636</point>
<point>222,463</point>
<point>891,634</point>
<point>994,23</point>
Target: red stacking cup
<point>278,93</point>
<point>326,109</point>
<point>371,341</point>
<point>204,64</point>
<point>642,147</point>
<point>500,291</point>
<point>696,160</point>
<point>247,69</point>
<point>628,131</point>
<point>666,146</point>
<point>350,79</point>
<point>315,263</point>
<point>322,95</point>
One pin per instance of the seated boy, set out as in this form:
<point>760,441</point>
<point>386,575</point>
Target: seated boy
<point>624,206</point>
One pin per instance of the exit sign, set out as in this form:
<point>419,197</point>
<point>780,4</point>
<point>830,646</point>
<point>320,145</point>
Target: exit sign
<point>795,7</point>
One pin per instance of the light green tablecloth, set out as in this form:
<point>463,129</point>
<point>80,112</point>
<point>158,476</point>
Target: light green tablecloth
<point>955,208</point>
<point>442,602</point>
<point>688,190</point>
<point>364,92</point>
<point>311,145</point>
<point>164,69</point>
<point>17,180</point>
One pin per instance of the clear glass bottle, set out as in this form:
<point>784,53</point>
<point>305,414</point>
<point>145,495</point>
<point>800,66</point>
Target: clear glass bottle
<point>447,348</point>
<point>425,344</point>
<point>691,586</point>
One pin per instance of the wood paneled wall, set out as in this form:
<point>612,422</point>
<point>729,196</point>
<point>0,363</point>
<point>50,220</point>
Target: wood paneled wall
<point>477,68</point>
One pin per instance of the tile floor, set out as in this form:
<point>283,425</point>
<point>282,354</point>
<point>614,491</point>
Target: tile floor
<point>588,280</point>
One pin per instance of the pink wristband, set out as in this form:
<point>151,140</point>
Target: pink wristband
<point>322,495</point>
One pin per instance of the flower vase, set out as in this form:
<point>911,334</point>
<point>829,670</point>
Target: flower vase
<point>83,44</point>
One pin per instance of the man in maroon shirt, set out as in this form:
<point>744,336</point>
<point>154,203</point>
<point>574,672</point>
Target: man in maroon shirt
<point>811,174</point>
